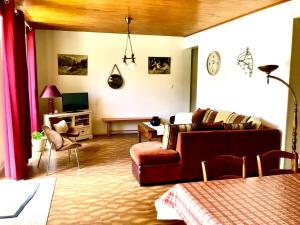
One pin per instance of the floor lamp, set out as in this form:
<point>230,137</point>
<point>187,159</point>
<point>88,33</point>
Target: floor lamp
<point>268,69</point>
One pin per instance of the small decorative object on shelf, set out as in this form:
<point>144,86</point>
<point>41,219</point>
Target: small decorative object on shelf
<point>155,121</point>
<point>245,61</point>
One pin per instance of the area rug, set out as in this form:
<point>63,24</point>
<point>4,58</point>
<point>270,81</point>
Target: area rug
<point>32,203</point>
<point>15,196</point>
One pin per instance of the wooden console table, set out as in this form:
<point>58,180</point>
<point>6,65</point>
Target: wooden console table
<point>109,121</point>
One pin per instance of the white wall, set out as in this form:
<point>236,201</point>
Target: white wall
<point>296,8</point>
<point>268,34</point>
<point>141,95</point>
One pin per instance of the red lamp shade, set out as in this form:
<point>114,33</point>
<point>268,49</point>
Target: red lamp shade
<point>50,92</point>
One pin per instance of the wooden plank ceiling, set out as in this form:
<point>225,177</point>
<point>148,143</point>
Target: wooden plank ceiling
<point>151,17</point>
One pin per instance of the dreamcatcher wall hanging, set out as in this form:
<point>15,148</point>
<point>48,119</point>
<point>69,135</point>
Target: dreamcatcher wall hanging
<point>245,61</point>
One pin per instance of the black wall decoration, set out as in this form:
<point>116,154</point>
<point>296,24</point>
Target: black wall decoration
<point>115,81</point>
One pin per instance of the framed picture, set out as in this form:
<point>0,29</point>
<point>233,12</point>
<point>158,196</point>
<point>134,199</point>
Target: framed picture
<point>72,64</point>
<point>159,65</point>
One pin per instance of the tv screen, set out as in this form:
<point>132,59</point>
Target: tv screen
<point>72,102</point>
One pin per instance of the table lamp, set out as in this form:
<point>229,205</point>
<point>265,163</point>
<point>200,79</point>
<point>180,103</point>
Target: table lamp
<point>268,69</point>
<point>50,92</point>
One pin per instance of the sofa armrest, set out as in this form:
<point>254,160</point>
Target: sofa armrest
<point>196,146</point>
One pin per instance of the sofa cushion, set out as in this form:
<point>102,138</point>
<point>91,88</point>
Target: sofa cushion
<point>171,132</point>
<point>241,119</point>
<point>256,122</point>
<point>198,115</point>
<point>150,153</point>
<point>237,126</point>
<point>210,116</point>
<point>61,126</point>
<point>223,116</point>
<point>236,118</point>
<point>183,118</point>
<point>208,126</point>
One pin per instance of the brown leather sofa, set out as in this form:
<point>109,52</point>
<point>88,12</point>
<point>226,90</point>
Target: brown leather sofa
<point>152,165</point>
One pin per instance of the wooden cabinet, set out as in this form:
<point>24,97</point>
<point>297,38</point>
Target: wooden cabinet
<point>82,121</point>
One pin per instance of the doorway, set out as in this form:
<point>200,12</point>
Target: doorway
<point>193,84</point>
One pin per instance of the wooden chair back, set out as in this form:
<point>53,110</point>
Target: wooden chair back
<point>263,159</point>
<point>227,159</point>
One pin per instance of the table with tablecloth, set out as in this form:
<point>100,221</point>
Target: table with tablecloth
<point>255,200</point>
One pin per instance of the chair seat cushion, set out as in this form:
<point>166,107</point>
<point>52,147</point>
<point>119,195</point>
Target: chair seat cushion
<point>151,153</point>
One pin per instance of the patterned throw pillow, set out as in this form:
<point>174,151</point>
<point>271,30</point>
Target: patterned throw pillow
<point>236,118</point>
<point>237,126</point>
<point>223,116</point>
<point>61,127</point>
<point>171,134</point>
<point>208,126</point>
<point>183,118</point>
<point>198,115</point>
<point>209,116</point>
<point>256,122</point>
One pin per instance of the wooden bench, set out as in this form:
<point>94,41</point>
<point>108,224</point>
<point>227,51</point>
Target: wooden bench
<point>109,121</point>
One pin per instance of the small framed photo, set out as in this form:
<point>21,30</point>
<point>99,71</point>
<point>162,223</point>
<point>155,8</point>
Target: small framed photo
<point>72,64</point>
<point>159,65</point>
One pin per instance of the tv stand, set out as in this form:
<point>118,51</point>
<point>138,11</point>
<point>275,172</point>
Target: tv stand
<point>82,121</point>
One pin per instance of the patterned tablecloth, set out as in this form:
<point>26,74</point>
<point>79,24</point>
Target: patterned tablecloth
<point>265,200</point>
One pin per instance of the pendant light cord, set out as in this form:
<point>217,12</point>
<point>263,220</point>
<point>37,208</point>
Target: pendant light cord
<point>128,20</point>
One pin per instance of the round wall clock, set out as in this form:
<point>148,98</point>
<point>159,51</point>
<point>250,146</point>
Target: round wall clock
<point>213,63</point>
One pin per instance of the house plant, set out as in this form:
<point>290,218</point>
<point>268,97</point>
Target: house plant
<point>38,141</point>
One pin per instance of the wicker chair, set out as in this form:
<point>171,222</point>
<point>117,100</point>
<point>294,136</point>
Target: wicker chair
<point>223,161</point>
<point>58,143</point>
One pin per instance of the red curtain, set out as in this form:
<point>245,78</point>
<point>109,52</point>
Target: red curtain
<point>32,80</point>
<point>17,135</point>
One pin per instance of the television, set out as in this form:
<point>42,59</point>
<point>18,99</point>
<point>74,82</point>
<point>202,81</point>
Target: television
<point>72,102</point>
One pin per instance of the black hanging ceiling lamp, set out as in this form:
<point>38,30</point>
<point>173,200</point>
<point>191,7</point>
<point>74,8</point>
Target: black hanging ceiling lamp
<point>125,64</point>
